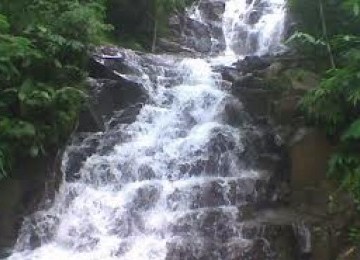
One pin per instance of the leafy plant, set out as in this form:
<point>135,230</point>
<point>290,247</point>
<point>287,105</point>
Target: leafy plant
<point>43,58</point>
<point>335,104</point>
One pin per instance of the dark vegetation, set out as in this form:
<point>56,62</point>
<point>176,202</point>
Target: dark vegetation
<point>44,51</point>
<point>137,23</point>
<point>329,33</point>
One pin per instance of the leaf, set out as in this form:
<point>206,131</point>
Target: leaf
<point>17,129</point>
<point>4,25</point>
<point>305,38</point>
<point>353,132</point>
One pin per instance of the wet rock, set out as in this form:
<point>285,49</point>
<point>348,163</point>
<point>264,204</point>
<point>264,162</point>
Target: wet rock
<point>198,36</point>
<point>212,10</point>
<point>146,197</point>
<point>229,73</point>
<point>252,63</point>
<point>254,17</point>
<point>191,249</point>
<point>112,95</point>
<point>145,172</point>
<point>115,84</point>
<point>110,139</point>
<point>220,192</point>
<point>209,225</point>
<point>240,43</point>
<point>165,45</point>
<point>248,81</point>
<point>90,120</point>
<point>25,194</point>
<point>125,116</point>
<point>220,143</point>
<point>84,145</point>
<point>257,102</point>
<point>124,225</point>
<point>234,113</point>
<point>205,36</point>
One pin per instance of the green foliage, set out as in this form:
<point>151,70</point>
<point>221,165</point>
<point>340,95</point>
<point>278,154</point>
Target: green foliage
<point>335,104</point>
<point>307,44</point>
<point>43,57</point>
<point>305,38</point>
<point>354,235</point>
<point>339,16</point>
<point>345,166</point>
<point>352,133</point>
<point>44,47</point>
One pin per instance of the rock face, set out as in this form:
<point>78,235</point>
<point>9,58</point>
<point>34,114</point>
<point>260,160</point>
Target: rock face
<point>200,31</point>
<point>33,183</point>
<point>270,89</point>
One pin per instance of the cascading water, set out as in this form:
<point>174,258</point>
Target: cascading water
<point>253,27</point>
<point>174,186</point>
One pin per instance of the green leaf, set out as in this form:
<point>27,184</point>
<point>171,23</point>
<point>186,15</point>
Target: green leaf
<point>4,25</point>
<point>17,129</point>
<point>353,132</point>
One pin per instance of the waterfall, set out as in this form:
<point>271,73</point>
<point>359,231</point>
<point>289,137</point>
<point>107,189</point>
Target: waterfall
<point>253,27</point>
<point>174,185</point>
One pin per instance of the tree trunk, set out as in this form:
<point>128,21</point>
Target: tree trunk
<point>153,46</point>
<point>325,33</point>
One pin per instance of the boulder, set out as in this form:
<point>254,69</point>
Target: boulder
<point>197,36</point>
<point>166,45</point>
<point>212,10</point>
<point>202,34</point>
<point>108,96</point>
<point>24,194</point>
<point>113,95</point>
<point>254,17</point>
<point>248,81</point>
<point>252,63</point>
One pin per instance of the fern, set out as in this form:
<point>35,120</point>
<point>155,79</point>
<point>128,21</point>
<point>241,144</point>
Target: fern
<point>304,38</point>
<point>353,132</point>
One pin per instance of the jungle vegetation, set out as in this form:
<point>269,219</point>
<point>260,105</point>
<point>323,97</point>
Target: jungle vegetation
<point>328,32</point>
<point>44,51</point>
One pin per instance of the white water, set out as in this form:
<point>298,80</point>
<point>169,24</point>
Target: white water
<point>258,38</point>
<point>127,202</point>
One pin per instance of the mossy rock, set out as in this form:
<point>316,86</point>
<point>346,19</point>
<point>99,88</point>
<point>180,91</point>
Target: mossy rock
<point>302,79</point>
<point>279,83</point>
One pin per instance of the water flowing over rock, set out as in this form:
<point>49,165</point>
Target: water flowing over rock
<point>179,169</point>
<point>232,27</point>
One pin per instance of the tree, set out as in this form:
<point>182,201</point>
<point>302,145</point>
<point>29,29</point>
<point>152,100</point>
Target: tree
<point>335,104</point>
<point>43,56</point>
